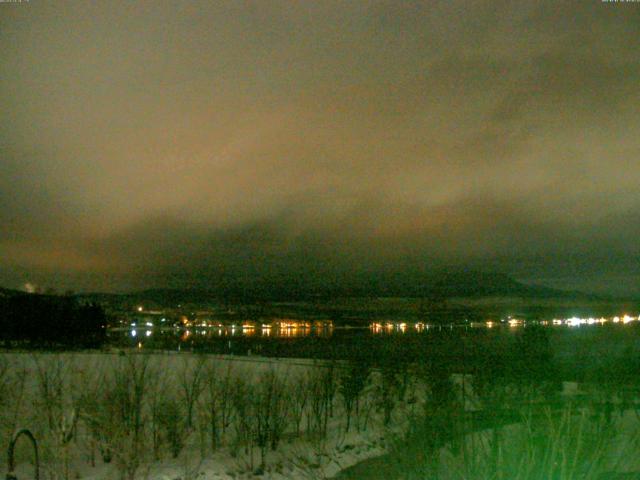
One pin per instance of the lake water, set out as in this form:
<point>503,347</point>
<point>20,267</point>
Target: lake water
<point>593,342</point>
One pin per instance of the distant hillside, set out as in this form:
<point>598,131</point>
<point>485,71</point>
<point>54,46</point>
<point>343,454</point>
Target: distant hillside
<point>482,284</point>
<point>441,284</point>
<point>460,283</point>
<point>8,292</point>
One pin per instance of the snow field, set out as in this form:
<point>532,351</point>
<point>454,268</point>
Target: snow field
<point>182,416</point>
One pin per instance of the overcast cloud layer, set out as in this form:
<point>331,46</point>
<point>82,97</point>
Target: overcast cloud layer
<point>169,143</point>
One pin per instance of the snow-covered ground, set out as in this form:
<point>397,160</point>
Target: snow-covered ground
<point>572,444</point>
<point>181,416</point>
<point>102,416</point>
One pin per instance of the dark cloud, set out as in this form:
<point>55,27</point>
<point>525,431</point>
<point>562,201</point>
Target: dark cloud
<point>168,143</point>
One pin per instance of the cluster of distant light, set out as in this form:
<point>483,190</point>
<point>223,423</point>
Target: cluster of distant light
<point>576,321</point>
<point>389,327</point>
<point>147,333</point>
<point>279,328</point>
<point>402,327</point>
<point>570,322</point>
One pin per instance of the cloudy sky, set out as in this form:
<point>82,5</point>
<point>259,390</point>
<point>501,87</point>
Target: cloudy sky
<point>174,143</point>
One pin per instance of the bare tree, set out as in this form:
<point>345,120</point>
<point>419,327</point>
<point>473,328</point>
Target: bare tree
<point>191,385</point>
<point>300,389</point>
<point>240,399</point>
<point>217,402</point>
<point>60,410</point>
<point>171,425</point>
<point>13,378</point>
<point>157,387</point>
<point>353,379</point>
<point>116,414</point>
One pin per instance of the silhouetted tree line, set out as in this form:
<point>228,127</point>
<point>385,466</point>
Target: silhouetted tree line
<point>51,321</point>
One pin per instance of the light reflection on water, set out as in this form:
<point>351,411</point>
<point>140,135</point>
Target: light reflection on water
<point>288,330</point>
<point>250,335</point>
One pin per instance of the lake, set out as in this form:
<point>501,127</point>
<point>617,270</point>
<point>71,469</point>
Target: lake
<point>582,341</point>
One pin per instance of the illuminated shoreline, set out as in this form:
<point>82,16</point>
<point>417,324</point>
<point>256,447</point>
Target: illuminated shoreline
<point>404,327</point>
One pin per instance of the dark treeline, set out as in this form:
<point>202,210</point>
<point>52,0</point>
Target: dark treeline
<point>50,321</point>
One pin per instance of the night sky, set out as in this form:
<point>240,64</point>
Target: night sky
<point>180,143</point>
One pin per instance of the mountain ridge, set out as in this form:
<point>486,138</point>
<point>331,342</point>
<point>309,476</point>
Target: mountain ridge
<point>438,285</point>
<point>449,284</point>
